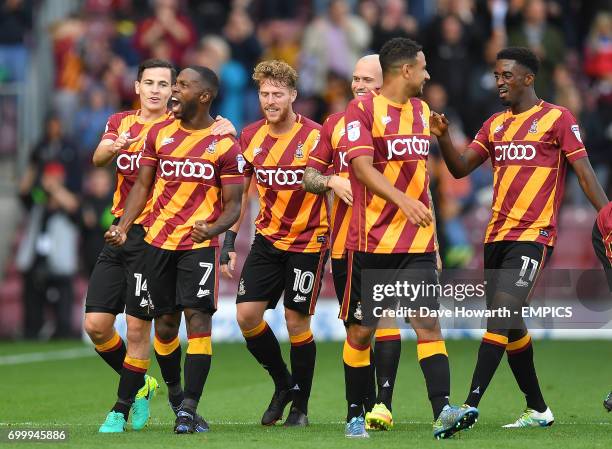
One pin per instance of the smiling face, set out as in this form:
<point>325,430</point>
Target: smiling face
<point>187,94</point>
<point>416,75</point>
<point>154,89</point>
<point>367,76</point>
<point>276,100</point>
<point>512,79</point>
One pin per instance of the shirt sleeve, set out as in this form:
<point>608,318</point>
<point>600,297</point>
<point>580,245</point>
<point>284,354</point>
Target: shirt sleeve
<point>481,143</point>
<point>358,131</point>
<point>247,172</point>
<point>149,152</point>
<point>321,156</point>
<point>568,137</point>
<point>231,165</point>
<point>111,131</point>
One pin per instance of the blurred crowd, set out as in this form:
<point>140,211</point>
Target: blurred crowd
<point>97,49</point>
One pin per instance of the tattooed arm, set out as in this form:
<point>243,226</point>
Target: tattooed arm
<point>315,182</point>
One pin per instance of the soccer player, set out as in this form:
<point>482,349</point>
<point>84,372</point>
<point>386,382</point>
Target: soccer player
<point>602,240</point>
<point>117,281</point>
<point>602,243</point>
<point>530,145</point>
<point>290,246</point>
<point>331,153</point>
<point>391,228</point>
<point>196,195</point>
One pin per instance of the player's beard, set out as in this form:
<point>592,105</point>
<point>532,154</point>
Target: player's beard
<point>282,115</point>
<point>188,110</point>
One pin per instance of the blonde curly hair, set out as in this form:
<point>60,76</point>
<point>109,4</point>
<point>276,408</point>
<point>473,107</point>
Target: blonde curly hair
<point>278,71</point>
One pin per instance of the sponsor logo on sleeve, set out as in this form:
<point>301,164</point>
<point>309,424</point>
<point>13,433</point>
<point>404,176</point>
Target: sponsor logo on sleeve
<point>353,131</point>
<point>241,162</point>
<point>576,131</point>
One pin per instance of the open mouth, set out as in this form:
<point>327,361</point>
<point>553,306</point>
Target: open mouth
<point>503,92</point>
<point>175,105</point>
<point>154,100</point>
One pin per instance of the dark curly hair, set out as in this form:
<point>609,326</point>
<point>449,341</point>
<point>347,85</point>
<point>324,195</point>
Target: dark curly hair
<point>523,56</point>
<point>398,50</point>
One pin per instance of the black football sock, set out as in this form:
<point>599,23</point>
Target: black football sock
<point>197,367</point>
<point>262,343</point>
<point>357,372</point>
<point>520,359</point>
<point>370,399</point>
<point>113,352</point>
<point>433,359</point>
<point>387,352</point>
<point>491,351</point>
<point>303,356</point>
<point>168,355</point>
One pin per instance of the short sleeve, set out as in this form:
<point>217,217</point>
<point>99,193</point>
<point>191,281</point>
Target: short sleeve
<point>149,152</point>
<point>111,131</point>
<point>481,143</point>
<point>231,165</point>
<point>247,172</point>
<point>322,155</point>
<point>568,137</point>
<point>358,131</point>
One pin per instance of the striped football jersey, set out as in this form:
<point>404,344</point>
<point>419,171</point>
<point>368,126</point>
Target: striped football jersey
<point>290,218</point>
<point>397,137</point>
<point>331,153</point>
<point>529,153</point>
<point>191,168</point>
<point>127,160</point>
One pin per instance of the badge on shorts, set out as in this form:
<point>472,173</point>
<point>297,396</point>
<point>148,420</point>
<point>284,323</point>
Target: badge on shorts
<point>241,290</point>
<point>358,314</point>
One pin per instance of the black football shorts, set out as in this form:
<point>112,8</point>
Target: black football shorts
<point>269,272</point>
<point>118,280</point>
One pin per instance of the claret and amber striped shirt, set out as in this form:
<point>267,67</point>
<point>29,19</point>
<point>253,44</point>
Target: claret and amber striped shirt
<point>331,152</point>
<point>289,217</point>
<point>397,137</point>
<point>127,160</point>
<point>529,153</point>
<point>191,168</point>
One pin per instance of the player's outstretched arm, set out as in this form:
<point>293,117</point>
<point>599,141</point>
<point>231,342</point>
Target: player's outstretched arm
<point>228,251</point>
<point>376,183</point>
<point>589,183</point>
<point>135,203</point>
<point>107,149</point>
<point>459,164</point>
<point>315,182</point>
<point>232,197</point>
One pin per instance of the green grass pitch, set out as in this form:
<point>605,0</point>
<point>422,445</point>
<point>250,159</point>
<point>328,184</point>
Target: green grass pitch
<point>77,394</point>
